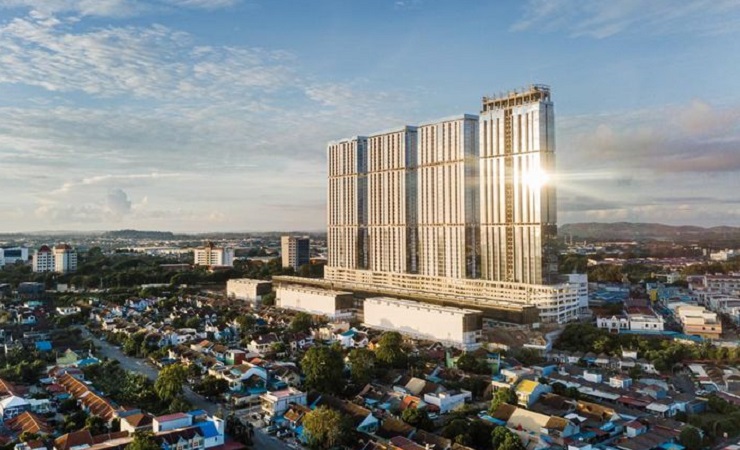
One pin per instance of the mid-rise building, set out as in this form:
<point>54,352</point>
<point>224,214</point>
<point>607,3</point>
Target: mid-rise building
<point>12,255</point>
<point>43,260</point>
<point>295,251</point>
<point>458,210</point>
<point>65,258</point>
<point>212,255</point>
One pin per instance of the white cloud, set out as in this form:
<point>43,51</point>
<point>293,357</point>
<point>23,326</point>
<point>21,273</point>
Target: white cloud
<point>110,8</point>
<point>603,18</point>
<point>117,203</point>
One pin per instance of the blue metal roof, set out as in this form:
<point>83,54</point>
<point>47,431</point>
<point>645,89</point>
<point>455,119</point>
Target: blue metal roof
<point>208,428</point>
<point>43,345</point>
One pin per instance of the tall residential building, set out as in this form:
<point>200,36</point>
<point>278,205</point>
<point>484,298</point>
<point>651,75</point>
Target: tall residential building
<point>65,259</point>
<point>211,255</point>
<point>518,209</point>
<point>447,200</point>
<point>459,210</point>
<point>295,251</point>
<point>43,260</point>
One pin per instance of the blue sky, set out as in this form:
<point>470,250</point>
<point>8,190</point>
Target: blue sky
<point>213,115</point>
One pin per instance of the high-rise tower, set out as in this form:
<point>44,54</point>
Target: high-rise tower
<point>459,210</point>
<point>518,209</point>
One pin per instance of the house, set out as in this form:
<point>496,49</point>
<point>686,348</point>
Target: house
<point>12,406</point>
<point>28,423</point>
<point>534,429</point>
<point>620,381</point>
<point>263,343</point>
<point>288,374</point>
<point>138,421</point>
<point>76,440</point>
<point>300,341</point>
<point>528,392</point>
<point>362,419</point>
<point>171,422</point>
<point>235,356</point>
<point>277,403</point>
<point>212,431</point>
<point>68,310</point>
<point>446,401</point>
<point>352,338</point>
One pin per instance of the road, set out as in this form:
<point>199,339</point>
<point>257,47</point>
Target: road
<point>261,439</point>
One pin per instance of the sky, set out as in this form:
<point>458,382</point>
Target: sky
<point>214,115</point>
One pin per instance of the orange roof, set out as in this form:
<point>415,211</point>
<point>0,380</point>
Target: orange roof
<point>28,422</point>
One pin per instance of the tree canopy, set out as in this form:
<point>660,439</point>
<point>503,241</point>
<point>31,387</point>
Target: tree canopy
<point>502,396</point>
<point>325,428</point>
<point>390,349</point>
<point>362,365</point>
<point>143,440</point>
<point>503,439</point>
<point>324,369</point>
<point>169,382</point>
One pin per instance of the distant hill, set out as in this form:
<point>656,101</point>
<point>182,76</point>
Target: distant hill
<point>137,234</point>
<point>648,231</point>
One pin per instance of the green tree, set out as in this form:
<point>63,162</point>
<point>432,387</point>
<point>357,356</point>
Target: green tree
<point>503,439</point>
<point>211,386</point>
<point>179,404</point>
<point>390,349</point>
<point>502,396</point>
<point>143,440</point>
<point>418,418</point>
<point>362,365</point>
<point>268,299</point>
<point>302,322</point>
<point>573,393</point>
<point>324,367</point>
<point>169,382</point>
<point>96,425</point>
<point>456,430</point>
<point>246,324</point>
<point>325,428</point>
<point>132,345</point>
<point>469,363</point>
<point>559,388</point>
<point>691,438</point>
<point>193,322</point>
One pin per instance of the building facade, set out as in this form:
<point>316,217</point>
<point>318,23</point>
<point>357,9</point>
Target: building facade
<point>211,255</point>
<point>455,327</point>
<point>458,208</point>
<point>295,251</point>
<point>518,209</point>
<point>65,259</point>
<point>247,289</point>
<point>43,260</point>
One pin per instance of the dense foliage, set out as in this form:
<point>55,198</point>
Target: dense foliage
<point>324,369</point>
<point>325,428</point>
<point>663,353</point>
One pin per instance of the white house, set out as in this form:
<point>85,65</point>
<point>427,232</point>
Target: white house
<point>447,401</point>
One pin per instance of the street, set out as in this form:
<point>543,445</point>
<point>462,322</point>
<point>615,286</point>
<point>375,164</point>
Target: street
<point>260,438</point>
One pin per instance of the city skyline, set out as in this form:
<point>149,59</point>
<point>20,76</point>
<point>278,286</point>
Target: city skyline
<point>193,115</point>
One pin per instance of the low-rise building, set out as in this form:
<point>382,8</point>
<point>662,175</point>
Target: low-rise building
<point>456,327</point>
<point>332,304</point>
<point>248,289</point>
<point>276,403</point>
<point>447,401</point>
